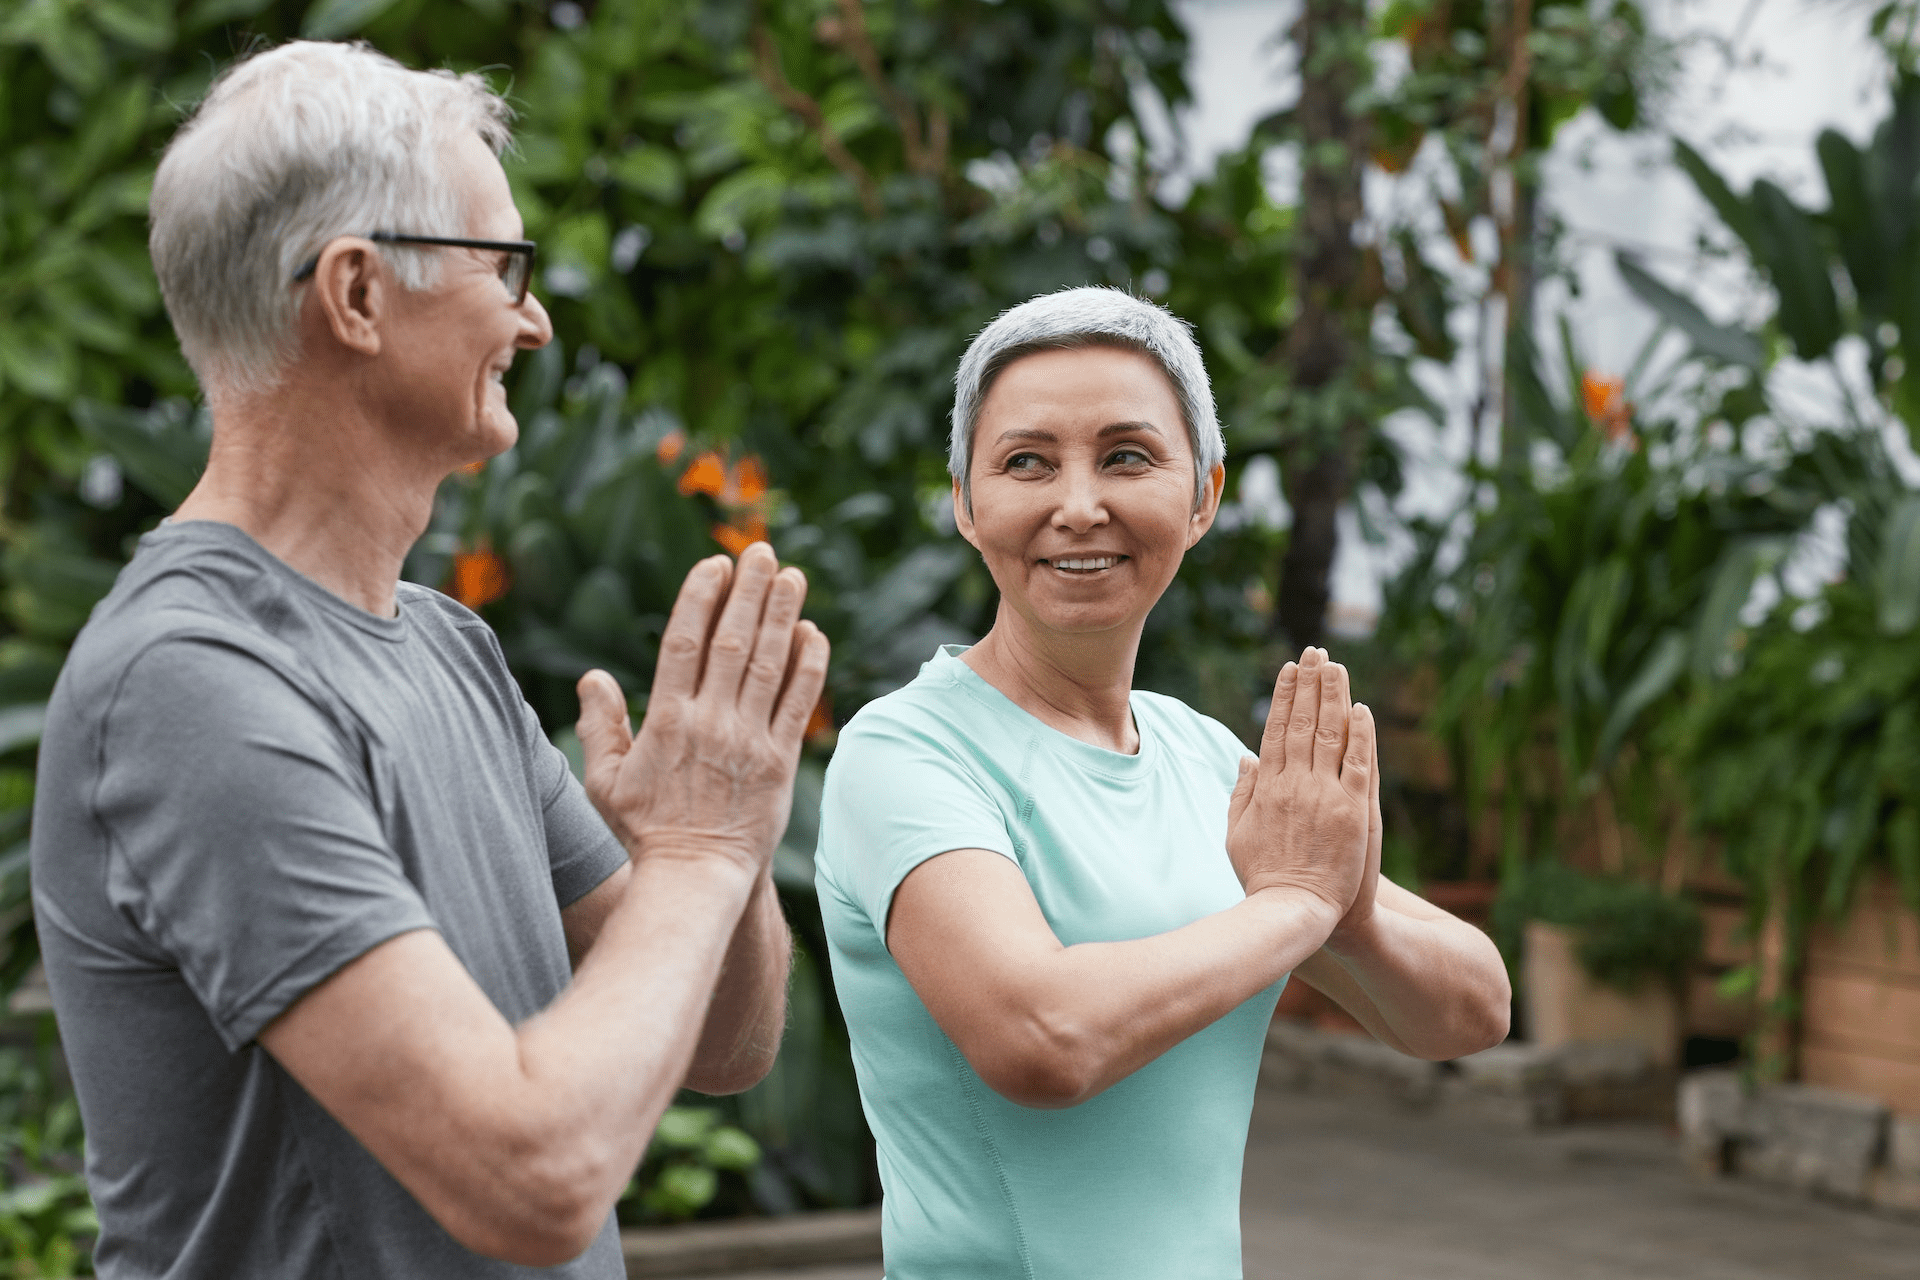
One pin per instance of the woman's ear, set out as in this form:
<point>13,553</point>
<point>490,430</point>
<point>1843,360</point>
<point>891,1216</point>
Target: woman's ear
<point>963,514</point>
<point>350,287</point>
<point>1209,505</point>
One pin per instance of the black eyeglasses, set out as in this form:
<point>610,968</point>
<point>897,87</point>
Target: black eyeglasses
<point>516,269</point>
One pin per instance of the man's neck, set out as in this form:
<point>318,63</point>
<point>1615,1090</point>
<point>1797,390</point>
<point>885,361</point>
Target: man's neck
<point>327,493</point>
<point>1078,684</point>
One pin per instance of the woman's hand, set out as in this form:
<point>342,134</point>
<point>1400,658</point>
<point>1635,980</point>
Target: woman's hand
<point>1300,818</point>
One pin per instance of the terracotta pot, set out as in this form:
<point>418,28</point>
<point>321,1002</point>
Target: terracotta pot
<point>1565,1006</point>
<point>1860,1021</point>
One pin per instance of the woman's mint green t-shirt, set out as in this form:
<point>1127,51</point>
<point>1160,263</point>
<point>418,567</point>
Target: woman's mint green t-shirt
<point>1142,1180</point>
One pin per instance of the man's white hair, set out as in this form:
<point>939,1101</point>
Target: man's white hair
<point>291,148</point>
<point>1092,316</point>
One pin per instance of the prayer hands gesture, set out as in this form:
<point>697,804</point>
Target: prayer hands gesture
<point>1305,816</point>
<point>712,768</point>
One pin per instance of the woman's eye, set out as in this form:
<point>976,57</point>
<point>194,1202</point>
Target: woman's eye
<point>1128,458</point>
<point>1023,462</point>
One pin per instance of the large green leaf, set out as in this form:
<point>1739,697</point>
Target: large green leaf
<point>1717,341</point>
<point>1809,310</point>
<point>331,19</point>
<point>1733,210</point>
<point>163,450</point>
<point>1663,665</point>
<point>1855,221</point>
<point>1896,576</point>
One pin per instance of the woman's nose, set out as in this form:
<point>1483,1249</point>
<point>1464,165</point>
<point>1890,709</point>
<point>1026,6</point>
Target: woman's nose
<point>1081,504</point>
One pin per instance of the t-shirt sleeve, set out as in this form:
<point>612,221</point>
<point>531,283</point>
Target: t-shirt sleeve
<point>242,834</point>
<point>895,797</point>
<point>582,850</point>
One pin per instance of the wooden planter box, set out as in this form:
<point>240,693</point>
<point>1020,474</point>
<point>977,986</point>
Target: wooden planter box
<point>1860,1020</point>
<point>1565,1006</point>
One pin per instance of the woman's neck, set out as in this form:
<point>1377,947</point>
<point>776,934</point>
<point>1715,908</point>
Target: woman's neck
<point>1077,684</point>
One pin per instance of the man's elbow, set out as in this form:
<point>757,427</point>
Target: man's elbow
<point>737,1074</point>
<point>544,1206</point>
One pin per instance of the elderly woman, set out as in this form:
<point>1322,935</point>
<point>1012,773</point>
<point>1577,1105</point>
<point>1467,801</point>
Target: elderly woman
<point>1060,909</point>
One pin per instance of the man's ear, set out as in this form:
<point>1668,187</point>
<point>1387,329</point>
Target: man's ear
<point>352,289</point>
<point>1209,505</point>
<point>963,515</point>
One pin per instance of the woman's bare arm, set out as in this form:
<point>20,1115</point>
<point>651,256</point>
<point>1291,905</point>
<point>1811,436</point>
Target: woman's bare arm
<point>1051,1025</point>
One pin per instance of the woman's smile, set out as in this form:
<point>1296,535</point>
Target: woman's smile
<point>1083,566</point>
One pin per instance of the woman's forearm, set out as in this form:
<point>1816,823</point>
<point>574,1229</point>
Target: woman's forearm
<point>1089,1015</point>
<point>1421,981</point>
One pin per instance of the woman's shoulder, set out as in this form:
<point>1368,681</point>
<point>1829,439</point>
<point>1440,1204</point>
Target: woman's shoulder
<point>1189,732</point>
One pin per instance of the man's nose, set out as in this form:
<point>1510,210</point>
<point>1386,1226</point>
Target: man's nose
<point>536,326</point>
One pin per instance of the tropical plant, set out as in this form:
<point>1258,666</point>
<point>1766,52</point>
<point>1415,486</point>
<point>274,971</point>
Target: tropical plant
<point>690,1152</point>
<point>1563,614</point>
<point>47,1222</point>
<point>1628,932</point>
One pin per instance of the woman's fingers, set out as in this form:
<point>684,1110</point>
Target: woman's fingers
<point>1330,738</point>
<point>1242,790</point>
<point>1273,741</point>
<point>1304,719</point>
<point>1357,769</point>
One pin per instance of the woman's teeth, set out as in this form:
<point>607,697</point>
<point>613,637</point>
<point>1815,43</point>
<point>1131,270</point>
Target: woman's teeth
<point>1103,562</point>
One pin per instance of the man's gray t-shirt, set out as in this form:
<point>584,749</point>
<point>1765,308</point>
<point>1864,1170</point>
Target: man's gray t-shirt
<point>245,783</point>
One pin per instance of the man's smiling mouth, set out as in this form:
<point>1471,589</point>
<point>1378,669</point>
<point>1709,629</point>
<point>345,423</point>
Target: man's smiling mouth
<point>1082,564</point>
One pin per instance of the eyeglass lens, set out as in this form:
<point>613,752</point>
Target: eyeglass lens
<point>513,274</point>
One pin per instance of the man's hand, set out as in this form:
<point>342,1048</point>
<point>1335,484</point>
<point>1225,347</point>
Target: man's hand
<point>1298,819</point>
<point>712,768</point>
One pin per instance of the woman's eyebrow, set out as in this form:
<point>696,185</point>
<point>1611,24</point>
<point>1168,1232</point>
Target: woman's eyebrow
<point>1028,433</point>
<point>1122,428</point>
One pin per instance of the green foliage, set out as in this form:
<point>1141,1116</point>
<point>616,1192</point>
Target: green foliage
<point>1807,760</point>
<point>1867,236</point>
<point>47,1222</point>
<point>690,1153</point>
<point>1629,933</point>
<point>1582,598</point>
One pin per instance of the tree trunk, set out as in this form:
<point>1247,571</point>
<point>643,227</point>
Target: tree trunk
<point>1329,329</point>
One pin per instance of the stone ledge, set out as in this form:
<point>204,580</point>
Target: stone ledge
<point>1516,1084</point>
<point>1820,1141</point>
<point>708,1248</point>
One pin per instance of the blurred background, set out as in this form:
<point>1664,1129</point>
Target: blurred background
<point>1569,355</point>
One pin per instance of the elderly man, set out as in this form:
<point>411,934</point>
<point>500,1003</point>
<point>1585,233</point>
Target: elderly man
<point>308,876</point>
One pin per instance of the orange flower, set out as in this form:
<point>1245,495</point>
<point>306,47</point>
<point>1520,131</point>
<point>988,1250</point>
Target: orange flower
<point>820,723</point>
<point>748,483</point>
<point>706,474</point>
<point>738,537</point>
<point>479,578</point>
<point>670,447</point>
<point>1605,399</point>
<point>1601,393</point>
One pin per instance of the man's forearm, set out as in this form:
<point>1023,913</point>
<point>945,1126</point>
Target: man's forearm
<point>749,1011</point>
<point>1430,987</point>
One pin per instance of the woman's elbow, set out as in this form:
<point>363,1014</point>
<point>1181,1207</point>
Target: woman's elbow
<point>1049,1067</point>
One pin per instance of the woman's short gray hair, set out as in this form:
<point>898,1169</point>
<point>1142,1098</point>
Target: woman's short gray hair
<point>1092,316</point>
<point>290,149</point>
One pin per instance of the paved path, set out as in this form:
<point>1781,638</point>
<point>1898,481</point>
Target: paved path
<point>1347,1190</point>
<point>1342,1190</point>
